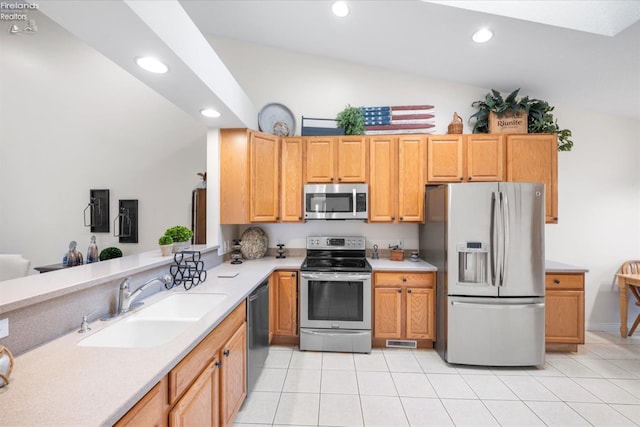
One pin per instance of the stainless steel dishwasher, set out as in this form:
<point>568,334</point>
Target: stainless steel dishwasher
<point>257,333</point>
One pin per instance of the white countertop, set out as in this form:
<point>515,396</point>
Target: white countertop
<point>559,267</point>
<point>61,383</point>
<point>32,289</point>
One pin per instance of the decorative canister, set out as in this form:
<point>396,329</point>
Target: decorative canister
<point>254,243</point>
<point>455,127</point>
<point>6,365</point>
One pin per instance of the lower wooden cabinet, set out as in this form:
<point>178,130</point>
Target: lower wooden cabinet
<point>206,388</point>
<point>564,318</point>
<point>404,307</point>
<point>283,296</point>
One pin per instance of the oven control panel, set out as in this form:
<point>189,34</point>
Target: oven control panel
<point>324,242</point>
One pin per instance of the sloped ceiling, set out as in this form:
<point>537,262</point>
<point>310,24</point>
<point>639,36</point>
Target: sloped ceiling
<point>561,65</point>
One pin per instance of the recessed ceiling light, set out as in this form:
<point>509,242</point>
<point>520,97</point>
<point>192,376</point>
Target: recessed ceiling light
<point>210,112</point>
<point>340,9</point>
<point>482,35</point>
<point>152,65</point>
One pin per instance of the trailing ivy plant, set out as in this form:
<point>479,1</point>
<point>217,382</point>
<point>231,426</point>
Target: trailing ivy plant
<point>351,120</point>
<point>539,115</point>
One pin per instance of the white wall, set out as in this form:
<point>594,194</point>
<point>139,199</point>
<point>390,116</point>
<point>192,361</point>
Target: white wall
<point>599,181</point>
<point>71,121</point>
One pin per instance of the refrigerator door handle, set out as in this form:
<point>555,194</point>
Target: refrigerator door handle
<point>505,238</point>
<point>493,242</point>
<point>500,306</point>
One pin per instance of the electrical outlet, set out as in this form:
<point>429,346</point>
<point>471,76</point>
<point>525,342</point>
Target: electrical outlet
<point>225,246</point>
<point>4,328</point>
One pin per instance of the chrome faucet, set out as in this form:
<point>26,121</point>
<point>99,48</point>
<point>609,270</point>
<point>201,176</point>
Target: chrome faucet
<point>126,297</point>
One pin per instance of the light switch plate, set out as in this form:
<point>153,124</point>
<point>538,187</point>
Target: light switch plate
<point>4,328</point>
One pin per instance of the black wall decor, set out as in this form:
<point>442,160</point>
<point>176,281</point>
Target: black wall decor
<point>127,221</point>
<point>96,214</point>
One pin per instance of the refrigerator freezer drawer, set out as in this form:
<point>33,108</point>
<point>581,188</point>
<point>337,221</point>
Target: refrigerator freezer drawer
<point>495,332</point>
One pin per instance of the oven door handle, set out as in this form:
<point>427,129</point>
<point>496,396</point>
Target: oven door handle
<point>343,277</point>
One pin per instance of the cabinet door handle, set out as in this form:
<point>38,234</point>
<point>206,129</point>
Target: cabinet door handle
<point>226,352</point>
<point>556,281</point>
<point>401,218</point>
<point>470,178</point>
<point>340,178</point>
<point>277,218</point>
<point>331,178</point>
<point>293,274</point>
<point>408,291</point>
<point>299,218</point>
<point>399,291</point>
<point>218,363</point>
<point>461,178</point>
<point>404,279</point>
<point>393,218</point>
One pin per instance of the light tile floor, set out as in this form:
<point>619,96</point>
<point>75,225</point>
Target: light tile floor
<point>598,385</point>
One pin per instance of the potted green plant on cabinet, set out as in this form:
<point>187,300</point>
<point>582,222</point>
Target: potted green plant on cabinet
<point>539,115</point>
<point>351,120</point>
<point>166,244</point>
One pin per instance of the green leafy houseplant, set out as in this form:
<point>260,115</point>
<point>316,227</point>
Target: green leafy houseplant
<point>539,115</point>
<point>111,252</point>
<point>179,233</point>
<point>165,240</point>
<point>351,120</point>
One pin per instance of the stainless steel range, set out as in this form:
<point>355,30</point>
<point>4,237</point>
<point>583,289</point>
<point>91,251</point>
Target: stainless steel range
<point>335,295</point>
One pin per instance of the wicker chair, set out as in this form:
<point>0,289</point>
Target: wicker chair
<point>633,267</point>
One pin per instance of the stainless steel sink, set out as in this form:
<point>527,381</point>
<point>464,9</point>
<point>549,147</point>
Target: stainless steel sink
<point>156,324</point>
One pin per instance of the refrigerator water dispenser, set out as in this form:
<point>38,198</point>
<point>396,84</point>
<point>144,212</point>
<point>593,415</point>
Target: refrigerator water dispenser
<point>472,263</point>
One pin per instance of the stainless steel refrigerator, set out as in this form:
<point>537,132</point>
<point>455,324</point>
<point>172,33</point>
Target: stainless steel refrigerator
<point>487,241</point>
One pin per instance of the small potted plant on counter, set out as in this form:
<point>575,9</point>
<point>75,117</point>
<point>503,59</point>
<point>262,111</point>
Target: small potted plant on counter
<point>181,236</point>
<point>166,244</point>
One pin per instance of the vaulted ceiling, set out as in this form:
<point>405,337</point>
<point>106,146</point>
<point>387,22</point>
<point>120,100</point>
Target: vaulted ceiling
<point>547,61</point>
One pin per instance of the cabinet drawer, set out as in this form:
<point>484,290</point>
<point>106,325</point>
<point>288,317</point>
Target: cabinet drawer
<point>564,281</point>
<point>403,278</point>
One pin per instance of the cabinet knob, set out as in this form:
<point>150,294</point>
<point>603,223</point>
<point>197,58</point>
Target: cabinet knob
<point>408,291</point>
<point>461,178</point>
<point>218,363</point>
<point>399,291</point>
<point>293,274</point>
<point>470,178</point>
<point>340,178</point>
<point>404,279</point>
<point>393,218</point>
<point>401,218</point>
<point>277,218</point>
<point>299,218</point>
<point>226,352</point>
<point>556,281</point>
<point>331,178</point>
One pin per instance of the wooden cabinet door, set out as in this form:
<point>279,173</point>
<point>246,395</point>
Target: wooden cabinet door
<point>199,406</point>
<point>445,158</point>
<point>534,158</point>
<point>485,157</point>
<point>320,160</point>
<point>291,178</point>
<point>265,185</point>
<point>352,159</point>
<point>411,175</point>
<point>234,176</point>
<point>233,375</point>
<point>420,313</point>
<point>150,411</point>
<point>286,310</point>
<point>564,316</point>
<point>383,179</point>
<point>387,313</point>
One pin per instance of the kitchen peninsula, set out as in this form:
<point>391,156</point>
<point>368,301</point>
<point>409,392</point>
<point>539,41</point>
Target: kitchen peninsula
<point>76,385</point>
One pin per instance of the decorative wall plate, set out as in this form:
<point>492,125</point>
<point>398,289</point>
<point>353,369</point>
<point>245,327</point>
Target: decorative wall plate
<point>254,243</point>
<point>276,119</point>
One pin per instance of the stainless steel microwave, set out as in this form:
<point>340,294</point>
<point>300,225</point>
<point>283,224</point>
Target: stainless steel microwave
<point>336,201</point>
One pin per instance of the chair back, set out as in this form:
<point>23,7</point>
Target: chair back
<point>13,266</point>
<point>630,267</point>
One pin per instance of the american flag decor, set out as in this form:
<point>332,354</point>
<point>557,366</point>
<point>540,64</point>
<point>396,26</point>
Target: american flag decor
<point>399,119</point>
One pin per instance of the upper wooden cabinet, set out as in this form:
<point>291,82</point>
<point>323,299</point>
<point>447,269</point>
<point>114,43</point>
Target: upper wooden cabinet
<point>534,158</point>
<point>264,183</point>
<point>465,158</point>
<point>291,179</point>
<point>336,159</point>
<point>396,178</point>
<point>260,177</point>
